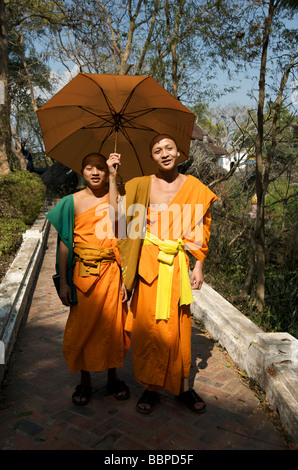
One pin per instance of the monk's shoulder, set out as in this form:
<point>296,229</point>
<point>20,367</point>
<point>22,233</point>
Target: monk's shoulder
<point>138,180</point>
<point>136,185</point>
<point>79,194</point>
<point>200,189</point>
<point>195,182</point>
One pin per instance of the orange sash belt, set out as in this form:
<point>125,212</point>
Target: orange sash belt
<point>90,258</point>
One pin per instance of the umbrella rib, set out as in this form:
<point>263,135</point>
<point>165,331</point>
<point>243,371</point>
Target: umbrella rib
<point>130,141</point>
<point>110,120</point>
<point>129,120</point>
<point>112,116</point>
<point>138,128</point>
<point>124,122</point>
<point>104,118</point>
<point>131,94</point>
<point>113,128</point>
<point>106,138</point>
<point>110,106</point>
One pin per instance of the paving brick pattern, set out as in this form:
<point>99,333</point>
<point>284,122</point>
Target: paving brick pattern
<point>36,412</point>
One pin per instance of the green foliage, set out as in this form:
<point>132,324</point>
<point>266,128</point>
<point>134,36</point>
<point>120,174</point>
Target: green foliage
<point>204,119</point>
<point>10,235</point>
<point>22,195</point>
<point>281,300</point>
<point>231,251</point>
<point>281,204</point>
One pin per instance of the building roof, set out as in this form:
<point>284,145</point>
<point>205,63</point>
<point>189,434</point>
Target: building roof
<point>199,134</point>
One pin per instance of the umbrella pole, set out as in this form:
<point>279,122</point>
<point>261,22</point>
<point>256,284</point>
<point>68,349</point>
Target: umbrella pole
<point>115,150</point>
<point>116,138</point>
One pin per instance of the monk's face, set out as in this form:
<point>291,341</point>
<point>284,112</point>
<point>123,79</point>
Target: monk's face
<point>165,154</point>
<point>95,171</point>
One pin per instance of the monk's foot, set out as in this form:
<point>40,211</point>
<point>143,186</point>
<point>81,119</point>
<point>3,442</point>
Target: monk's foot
<point>192,401</point>
<point>147,401</point>
<point>81,395</point>
<point>119,389</point>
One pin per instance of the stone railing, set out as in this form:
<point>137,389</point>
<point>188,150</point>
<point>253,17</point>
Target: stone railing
<point>270,359</point>
<point>17,286</point>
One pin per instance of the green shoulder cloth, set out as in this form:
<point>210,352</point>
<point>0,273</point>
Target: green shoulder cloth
<point>62,218</point>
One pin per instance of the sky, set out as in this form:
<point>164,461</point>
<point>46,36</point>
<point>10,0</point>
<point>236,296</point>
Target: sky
<point>238,97</point>
<point>245,83</point>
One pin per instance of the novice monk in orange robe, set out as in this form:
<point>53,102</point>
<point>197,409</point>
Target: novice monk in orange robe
<point>94,338</point>
<point>159,316</point>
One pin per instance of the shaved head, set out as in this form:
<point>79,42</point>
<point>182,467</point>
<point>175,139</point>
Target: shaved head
<point>92,154</point>
<point>160,137</point>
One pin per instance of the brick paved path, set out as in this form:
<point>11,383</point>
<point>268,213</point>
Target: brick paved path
<point>36,411</point>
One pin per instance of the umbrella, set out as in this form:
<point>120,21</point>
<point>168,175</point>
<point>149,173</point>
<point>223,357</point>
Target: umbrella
<point>108,113</point>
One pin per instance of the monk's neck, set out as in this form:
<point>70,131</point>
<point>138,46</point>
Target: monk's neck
<point>168,176</point>
<point>96,193</point>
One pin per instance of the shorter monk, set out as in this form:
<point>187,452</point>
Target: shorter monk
<point>90,281</point>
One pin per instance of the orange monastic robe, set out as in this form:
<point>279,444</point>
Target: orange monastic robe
<point>94,338</point>
<point>161,349</point>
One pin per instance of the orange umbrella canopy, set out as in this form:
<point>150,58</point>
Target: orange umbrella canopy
<point>107,113</point>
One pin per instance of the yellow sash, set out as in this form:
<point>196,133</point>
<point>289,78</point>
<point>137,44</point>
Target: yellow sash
<point>168,250</point>
<point>90,258</point>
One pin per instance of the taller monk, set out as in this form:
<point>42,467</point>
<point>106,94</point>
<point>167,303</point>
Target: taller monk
<point>166,213</point>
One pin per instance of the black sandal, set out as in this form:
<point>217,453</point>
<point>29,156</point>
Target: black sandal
<point>148,398</point>
<point>82,393</point>
<point>190,398</point>
<point>118,387</point>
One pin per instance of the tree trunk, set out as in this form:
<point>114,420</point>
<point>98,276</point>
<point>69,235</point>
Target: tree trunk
<point>5,137</point>
<point>17,149</point>
<point>250,275</point>
<point>27,72</point>
<point>261,184</point>
<point>173,41</point>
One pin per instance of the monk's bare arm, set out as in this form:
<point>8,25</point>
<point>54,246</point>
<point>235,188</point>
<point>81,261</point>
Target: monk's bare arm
<point>65,291</point>
<point>113,160</point>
